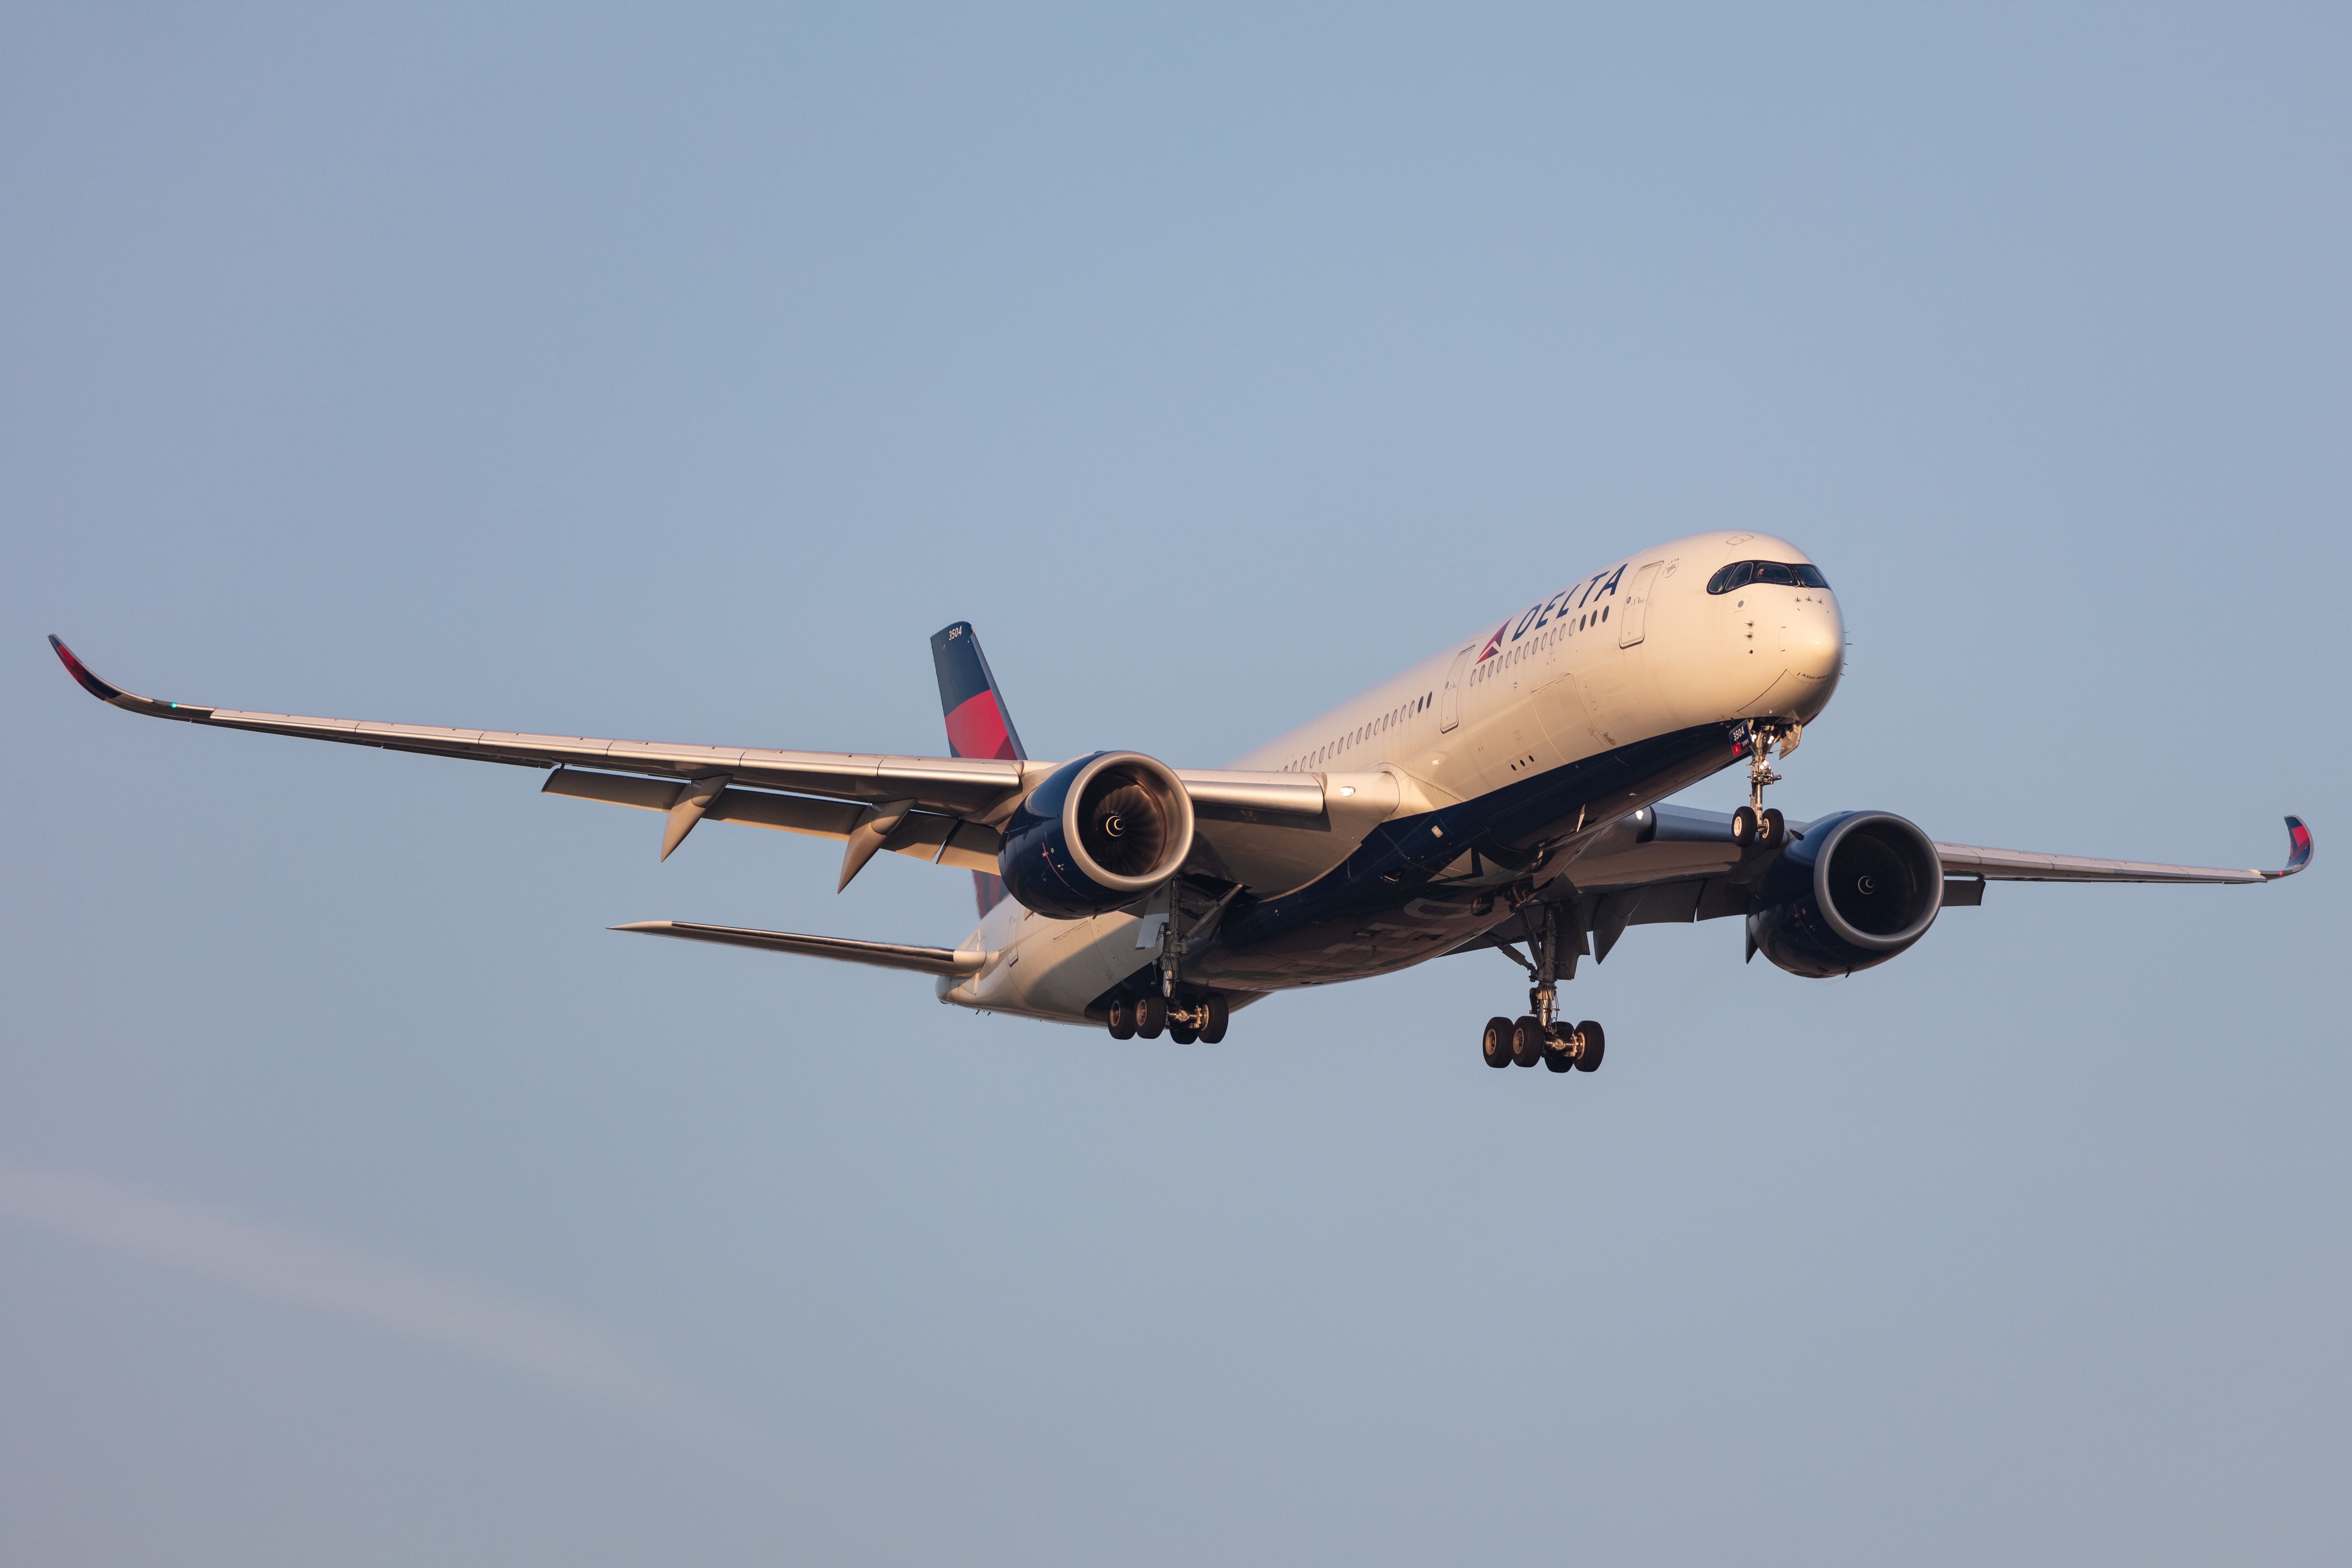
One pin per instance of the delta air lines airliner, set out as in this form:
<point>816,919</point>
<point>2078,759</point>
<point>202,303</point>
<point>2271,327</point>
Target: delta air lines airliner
<point>1508,793</point>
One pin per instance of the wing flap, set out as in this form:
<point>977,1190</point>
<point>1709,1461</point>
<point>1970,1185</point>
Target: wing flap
<point>970,846</point>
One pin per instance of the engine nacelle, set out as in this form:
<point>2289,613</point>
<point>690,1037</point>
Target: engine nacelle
<point>1099,832</point>
<point>1856,890</point>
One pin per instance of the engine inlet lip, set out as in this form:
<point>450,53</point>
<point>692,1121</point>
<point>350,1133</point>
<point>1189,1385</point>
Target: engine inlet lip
<point>1153,774</point>
<point>1826,852</point>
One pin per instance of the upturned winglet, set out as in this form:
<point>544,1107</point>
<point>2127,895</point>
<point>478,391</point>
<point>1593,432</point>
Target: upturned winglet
<point>2298,838</point>
<point>80,671</point>
<point>106,692</point>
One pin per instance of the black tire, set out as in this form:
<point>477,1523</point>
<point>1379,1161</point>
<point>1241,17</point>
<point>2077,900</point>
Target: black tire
<point>1183,1034</point>
<point>1495,1043</point>
<point>1558,1061</point>
<point>1526,1042</point>
<point>1595,1042</point>
<point>1122,1019</point>
<point>1743,828</point>
<point>1212,1032</point>
<point>1775,831</point>
<point>1150,1016</point>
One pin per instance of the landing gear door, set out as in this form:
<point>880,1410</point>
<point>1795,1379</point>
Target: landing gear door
<point>1634,616</point>
<point>1449,702</point>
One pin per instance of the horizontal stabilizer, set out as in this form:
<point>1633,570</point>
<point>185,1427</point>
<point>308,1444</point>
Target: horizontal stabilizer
<point>884,954</point>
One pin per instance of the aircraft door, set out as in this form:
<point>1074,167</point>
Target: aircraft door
<point>1633,617</point>
<point>1449,702</point>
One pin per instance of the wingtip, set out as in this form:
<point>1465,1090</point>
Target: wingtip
<point>80,673</point>
<point>2298,838</point>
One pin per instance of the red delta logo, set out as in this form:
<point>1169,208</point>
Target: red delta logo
<point>1561,605</point>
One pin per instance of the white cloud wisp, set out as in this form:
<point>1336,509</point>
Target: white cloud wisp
<point>310,1272</point>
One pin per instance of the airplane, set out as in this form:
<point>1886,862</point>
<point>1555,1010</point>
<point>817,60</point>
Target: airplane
<point>1509,792</point>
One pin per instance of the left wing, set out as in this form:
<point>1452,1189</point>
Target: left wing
<point>1670,864</point>
<point>1673,842</point>
<point>2025,866</point>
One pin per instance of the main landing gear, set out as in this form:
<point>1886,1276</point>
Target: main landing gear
<point>1526,1042</point>
<point>1186,1017</point>
<point>1753,826</point>
<point>1538,1036</point>
<point>1200,1018</point>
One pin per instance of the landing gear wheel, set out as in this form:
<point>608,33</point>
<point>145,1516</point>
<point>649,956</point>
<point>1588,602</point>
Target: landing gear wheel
<point>1775,830</point>
<point>1215,1010</point>
<point>1122,1019</point>
<point>1526,1042</point>
<point>1589,1058</point>
<point>1183,1034</point>
<point>1150,1016</point>
<point>1496,1043</point>
<point>1557,1060</point>
<point>1743,827</point>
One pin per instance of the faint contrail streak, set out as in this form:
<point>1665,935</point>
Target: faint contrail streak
<point>310,1272</point>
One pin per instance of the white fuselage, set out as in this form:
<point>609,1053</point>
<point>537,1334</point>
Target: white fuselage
<point>1633,653</point>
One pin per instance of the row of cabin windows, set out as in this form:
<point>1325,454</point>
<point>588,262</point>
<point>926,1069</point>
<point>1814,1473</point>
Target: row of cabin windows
<point>1361,733</point>
<point>1544,640</point>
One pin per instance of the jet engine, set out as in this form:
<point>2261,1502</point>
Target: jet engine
<point>1856,890</point>
<point>1099,832</point>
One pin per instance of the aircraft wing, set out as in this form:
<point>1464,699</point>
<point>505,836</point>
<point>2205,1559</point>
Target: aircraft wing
<point>1266,829</point>
<point>958,785</point>
<point>1674,865</point>
<point>2026,866</point>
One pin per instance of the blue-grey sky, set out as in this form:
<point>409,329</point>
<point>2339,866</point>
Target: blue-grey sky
<point>674,375</point>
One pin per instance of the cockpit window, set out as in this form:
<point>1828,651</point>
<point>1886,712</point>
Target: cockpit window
<point>1781,574</point>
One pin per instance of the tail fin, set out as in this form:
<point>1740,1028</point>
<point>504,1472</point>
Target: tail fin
<point>978,724</point>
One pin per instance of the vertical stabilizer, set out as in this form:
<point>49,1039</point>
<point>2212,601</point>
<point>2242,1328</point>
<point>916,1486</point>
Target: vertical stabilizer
<point>978,724</point>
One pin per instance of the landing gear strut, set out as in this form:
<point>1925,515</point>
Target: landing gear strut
<point>1753,826</point>
<point>1192,1015</point>
<point>1538,1036</point>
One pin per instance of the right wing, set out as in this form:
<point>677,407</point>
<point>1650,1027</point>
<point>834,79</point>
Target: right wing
<point>1269,831</point>
<point>967,787</point>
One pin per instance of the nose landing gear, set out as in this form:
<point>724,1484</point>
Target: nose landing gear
<point>1752,826</point>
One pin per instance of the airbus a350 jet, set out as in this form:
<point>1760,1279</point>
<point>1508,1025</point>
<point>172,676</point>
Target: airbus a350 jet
<point>1509,792</point>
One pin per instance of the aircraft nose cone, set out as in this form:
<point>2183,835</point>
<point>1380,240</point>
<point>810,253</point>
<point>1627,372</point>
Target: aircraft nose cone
<point>1812,650</point>
<point>1815,647</point>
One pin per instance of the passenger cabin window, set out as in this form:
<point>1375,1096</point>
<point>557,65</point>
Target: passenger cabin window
<point>1780,574</point>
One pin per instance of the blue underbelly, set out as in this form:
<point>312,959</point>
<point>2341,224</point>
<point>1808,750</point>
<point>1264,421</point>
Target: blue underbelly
<point>1421,886</point>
